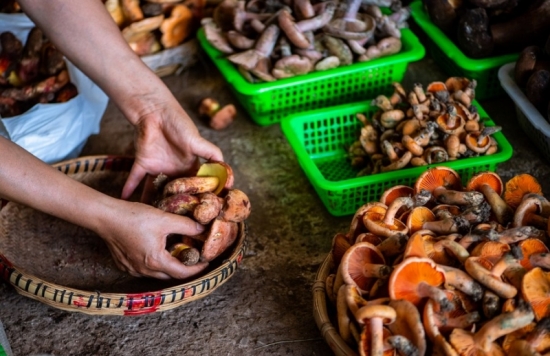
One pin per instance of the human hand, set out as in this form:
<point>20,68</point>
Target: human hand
<point>136,235</point>
<point>167,141</point>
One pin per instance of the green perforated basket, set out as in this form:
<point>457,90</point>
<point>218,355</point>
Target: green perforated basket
<point>268,103</point>
<point>319,139</point>
<point>455,63</point>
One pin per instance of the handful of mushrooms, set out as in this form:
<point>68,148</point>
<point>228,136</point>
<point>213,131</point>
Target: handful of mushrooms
<point>210,199</point>
<point>270,40</point>
<point>421,127</point>
<point>150,26</point>
<point>439,268</point>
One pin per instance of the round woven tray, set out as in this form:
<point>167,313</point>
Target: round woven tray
<point>321,313</point>
<point>70,268</point>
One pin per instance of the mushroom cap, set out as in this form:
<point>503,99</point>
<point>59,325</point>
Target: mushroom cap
<point>177,27</point>
<point>405,278</point>
<point>453,210</point>
<point>353,262</point>
<point>408,323</point>
<point>374,222</point>
<point>490,178</point>
<point>221,235</point>
<point>417,217</point>
<point>517,187</point>
<point>371,311</point>
<point>456,83</point>
<point>442,122</point>
<point>340,245</point>
<point>535,289</point>
<point>291,66</point>
<point>395,192</point>
<point>135,30</point>
<point>434,87</point>
<point>473,142</point>
<point>369,237</point>
<point>289,27</point>
<point>529,247</point>
<point>490,251</point>
<point>464,343</point>
<point>439,176</point>
<point>357,227</point>
<point>218,169</point>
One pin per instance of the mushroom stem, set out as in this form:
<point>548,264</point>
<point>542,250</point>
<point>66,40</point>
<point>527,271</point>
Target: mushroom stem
<point>371,270</point>
<point>395,206</point>
<point>447,225</point>
<point>426,290</point>
<point>459,252</point>
<point>462,281</point>
<point>520,233</point>
<point>501,325</point>
<point>318,21</point>
<point>492,279</point>
<point>403,345</point>
<point>454,197</point>
<point>393,245</point>
<point>462,321</point>
<point>400,163</point>
<point>502,211</point>
<point>377,337</point>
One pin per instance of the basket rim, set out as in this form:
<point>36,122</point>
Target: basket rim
<point>314,174</point>
<point>412,51</point>
<point>505,75</point>
<point>451,50</point>
<point>127,304</point>
<point>320,312</point>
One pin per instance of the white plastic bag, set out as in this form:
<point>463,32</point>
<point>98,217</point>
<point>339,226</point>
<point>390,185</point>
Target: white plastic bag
<point>59,131</point>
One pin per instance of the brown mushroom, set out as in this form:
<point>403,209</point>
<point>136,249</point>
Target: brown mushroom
<point>386,224</point>
<point>362,264</point>
<point>375,316</point>
<point>191,185</point>
<point>490,184</point>
<point>408,323</point>
<point>177,27</point>
<point>236,207</point>
<point>249,59</point>
<point>291,66</point>
<point>492,278</point>
<point>188,255</point>
<point>483,341</point>
<point>220,236</point>
<point>180,203</point>
<point>222,171</point>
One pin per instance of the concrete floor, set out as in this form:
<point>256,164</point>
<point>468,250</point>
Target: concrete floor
<point>266,308</point>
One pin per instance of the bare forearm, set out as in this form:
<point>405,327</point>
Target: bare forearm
<point>85,32</point>
<point>29,181</point>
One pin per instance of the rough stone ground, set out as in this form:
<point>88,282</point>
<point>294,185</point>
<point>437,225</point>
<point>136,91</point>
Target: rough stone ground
<point>266,308</point>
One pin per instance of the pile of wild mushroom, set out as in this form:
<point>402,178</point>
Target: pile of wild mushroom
<point>150,26</point>
<point>210,199</point>
<point>484,28</point>
<point>439,268</point>
<point>422,127</point>
<point>270,40</point>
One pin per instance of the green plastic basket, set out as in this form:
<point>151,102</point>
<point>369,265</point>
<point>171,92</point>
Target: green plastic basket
<point>455,63</point>
<point>268,103</point>
<point>319,139</point>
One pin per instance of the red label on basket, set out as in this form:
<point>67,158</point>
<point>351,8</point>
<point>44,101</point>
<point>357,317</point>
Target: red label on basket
<point>80,302</point>
<point>138,304</point>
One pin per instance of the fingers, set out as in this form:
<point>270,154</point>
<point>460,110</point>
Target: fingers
<point>172,267</point>
<point>132,182</point>
<point>208,150</point>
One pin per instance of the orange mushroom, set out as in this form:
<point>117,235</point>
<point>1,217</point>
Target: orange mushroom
<point>529,211</point>
<point>456,278</point>
<point>357,226</point>
<point>491,186</point>
<point>386,224</point>
<point>530,247</point>
<point>535,290</point>
<point>423,243</point>
<point>541,260</point>
<point>408,323</point>
<point>490,251</point>
<point>340,245</point>
<point>417,278</point>
<point>443,211</point>
<point>362,264</point>
<point>482,343</point>
<point>446,187</point>
<point>519,186</point>
<point>395,192</point>
<point>417,217</point>
<point>445,321</point>
<point>480,141</point>
<point>177,27</point>
<point>450,122</point>
<point>376,316</point>
<point>492,278</point>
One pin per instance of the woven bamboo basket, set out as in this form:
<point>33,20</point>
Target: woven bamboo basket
<point>321,313</point>
<point>148,300</point>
